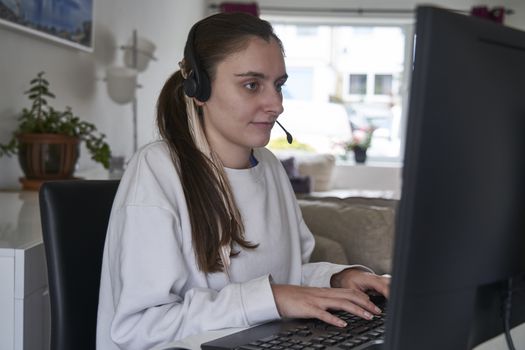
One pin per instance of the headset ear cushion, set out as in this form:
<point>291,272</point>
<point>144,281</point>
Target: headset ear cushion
<point>204,87</point>
<point>197,86</point>
<point>190,85</point>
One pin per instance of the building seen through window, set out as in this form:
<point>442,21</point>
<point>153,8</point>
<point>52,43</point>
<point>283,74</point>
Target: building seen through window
<point>343,78</point>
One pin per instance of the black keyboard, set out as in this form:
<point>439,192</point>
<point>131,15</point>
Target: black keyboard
<point>307,334</point>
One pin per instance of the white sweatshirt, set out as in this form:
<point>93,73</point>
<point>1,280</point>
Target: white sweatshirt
<point>152,291</point>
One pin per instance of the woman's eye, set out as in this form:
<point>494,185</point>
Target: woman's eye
<point>279,85</point>
<point>251,86</point>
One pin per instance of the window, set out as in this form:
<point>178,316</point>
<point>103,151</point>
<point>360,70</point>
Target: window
<point>299,88</point>
<point>383,84</point>
<point>357,84</point>
<point>357,76</point>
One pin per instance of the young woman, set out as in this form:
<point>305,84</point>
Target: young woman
<point>205,232</point>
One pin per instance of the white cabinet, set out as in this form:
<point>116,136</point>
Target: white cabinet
<point>24,297</point>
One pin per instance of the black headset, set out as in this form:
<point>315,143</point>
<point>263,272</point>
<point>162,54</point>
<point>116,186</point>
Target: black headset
<point>197,84</point>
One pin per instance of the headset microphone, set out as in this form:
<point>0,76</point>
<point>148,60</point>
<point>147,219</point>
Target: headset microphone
<point>289,137</point>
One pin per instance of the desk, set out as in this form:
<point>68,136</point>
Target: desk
<point>24,297</point>
<point>194,342</point>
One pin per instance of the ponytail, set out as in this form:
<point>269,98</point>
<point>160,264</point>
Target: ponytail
<point>215,220</point>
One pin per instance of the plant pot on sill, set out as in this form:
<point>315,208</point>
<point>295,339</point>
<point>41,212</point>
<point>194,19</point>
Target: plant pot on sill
<point>359,155</point>
<point>45,157</point>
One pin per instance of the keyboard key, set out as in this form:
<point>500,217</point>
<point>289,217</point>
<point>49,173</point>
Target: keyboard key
<point>304,333</point>
<point>269,338</point>
<point>349,345</point>
<point>318,339</point>
<point>360,330</point>
<point>363,338</point>
<point>330,342</point>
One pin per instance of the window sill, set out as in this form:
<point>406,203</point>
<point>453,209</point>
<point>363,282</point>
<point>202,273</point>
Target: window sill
<point>372,177</point>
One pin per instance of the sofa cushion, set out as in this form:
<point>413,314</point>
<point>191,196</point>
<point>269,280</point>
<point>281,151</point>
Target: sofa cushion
<point>327,249</point>
<point>364,227</point>
<point>319,167</point>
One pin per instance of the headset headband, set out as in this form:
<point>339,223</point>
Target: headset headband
<point>197,84</point>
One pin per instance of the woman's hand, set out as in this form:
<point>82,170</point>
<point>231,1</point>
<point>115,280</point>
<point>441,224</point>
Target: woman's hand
<point>310,302</point>
<point>354,278</point>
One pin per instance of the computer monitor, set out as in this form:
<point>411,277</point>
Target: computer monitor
<point>460,230</point>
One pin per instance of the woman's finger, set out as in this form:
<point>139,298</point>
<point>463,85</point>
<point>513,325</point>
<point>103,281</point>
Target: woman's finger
<point>359,308</point>
<point>353,296</point>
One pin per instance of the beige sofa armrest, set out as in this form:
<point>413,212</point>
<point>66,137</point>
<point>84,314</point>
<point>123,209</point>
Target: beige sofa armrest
<point>364,227</point>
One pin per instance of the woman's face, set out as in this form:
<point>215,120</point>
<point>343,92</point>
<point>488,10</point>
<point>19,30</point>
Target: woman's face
<point>245,101</point>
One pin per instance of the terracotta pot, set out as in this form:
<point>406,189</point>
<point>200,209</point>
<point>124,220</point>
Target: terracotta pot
<point>48,156</point>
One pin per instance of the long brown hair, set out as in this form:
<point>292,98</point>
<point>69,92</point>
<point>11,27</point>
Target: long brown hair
<point>215,219</point>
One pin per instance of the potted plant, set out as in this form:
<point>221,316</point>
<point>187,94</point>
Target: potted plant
<point>47,140</point>
<point>360,142</point>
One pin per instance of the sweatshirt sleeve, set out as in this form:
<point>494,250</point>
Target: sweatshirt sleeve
<point>150,278</point>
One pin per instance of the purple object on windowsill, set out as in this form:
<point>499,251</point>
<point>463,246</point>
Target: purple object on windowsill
<point>300,184</point>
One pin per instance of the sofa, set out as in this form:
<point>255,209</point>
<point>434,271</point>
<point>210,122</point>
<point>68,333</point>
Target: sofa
<point>353,230</point>
<point>349,230</point>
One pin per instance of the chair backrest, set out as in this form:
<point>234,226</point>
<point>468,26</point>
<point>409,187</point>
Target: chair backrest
<point>75,215</point>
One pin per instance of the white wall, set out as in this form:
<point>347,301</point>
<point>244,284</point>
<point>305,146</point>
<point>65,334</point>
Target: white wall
<point>75,76</point>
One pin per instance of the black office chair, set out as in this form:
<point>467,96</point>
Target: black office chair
<point>75,215</point>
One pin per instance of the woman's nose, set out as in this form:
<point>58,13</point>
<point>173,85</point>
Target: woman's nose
<point>274,102</point>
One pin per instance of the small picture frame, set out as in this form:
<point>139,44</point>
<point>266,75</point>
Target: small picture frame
<point>66,22</point>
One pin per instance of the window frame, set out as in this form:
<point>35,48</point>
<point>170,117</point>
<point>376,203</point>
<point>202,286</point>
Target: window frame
<point>407,25</point>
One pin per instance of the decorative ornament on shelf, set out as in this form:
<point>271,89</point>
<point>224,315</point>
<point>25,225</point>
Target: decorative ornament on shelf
<point>495,14</point>
<point>122,80</point>
<point>360,142</point>
<point>47,140</point>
